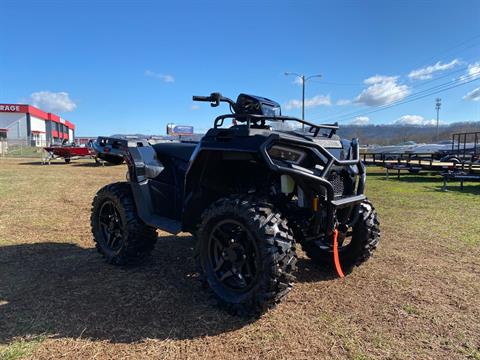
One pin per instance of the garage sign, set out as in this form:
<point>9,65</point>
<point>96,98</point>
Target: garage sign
<point>9,107</point>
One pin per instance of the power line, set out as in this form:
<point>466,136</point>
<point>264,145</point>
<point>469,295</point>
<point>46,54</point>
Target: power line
<point>448,50</point>
<point>436,87</point>
<point>405,101</point>
<point>415,96</point>
<point>415,86</point>
<point>423,83</point>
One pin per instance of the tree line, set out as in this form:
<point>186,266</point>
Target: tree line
<point>395,134</point>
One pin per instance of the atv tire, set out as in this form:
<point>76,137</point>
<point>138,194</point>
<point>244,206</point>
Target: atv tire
<point>365,239</point>
<point>118,232</point>
<point>245,254</point>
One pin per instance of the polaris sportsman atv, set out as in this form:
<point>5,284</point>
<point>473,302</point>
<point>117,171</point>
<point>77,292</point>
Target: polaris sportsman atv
<point>247,193</point>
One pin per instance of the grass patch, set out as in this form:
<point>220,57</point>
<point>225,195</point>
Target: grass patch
<point>407,302</point>
<point>20,348</point>
<point>411,310</point>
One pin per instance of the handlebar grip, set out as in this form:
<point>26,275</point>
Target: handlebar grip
<point>202,98</point>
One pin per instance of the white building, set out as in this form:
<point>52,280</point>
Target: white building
<point>38,128</point>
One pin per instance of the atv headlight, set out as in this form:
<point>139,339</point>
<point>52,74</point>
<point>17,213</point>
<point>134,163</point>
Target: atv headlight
<point>287,154</point>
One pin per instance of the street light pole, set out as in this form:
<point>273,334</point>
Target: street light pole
<point>303,96</point>
<point>303,79</point>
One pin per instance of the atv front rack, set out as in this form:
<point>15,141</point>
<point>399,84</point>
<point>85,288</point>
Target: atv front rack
<point>251,118</point>
<point>320,181</point>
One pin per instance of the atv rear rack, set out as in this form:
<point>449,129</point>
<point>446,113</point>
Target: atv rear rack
<point>314,128</point>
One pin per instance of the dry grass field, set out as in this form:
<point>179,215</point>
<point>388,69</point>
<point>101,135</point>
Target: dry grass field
<point>417,298</point>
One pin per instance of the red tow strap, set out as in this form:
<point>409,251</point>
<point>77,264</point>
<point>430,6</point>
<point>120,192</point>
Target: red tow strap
<point>336,258</point>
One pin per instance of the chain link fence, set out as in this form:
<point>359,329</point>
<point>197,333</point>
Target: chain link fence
<point>28,147</point>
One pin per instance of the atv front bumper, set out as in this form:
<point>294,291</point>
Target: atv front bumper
<point>317,178</point>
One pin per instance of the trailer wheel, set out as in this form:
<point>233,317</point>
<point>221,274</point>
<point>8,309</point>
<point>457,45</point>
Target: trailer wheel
<point>118,232</point>
<point>245,254</point>
<point>364,241</point>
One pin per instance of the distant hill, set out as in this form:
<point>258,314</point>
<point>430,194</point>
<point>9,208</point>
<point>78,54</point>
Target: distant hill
<point>394,134</point>
<point>194,137</point>
<point>367,134</point>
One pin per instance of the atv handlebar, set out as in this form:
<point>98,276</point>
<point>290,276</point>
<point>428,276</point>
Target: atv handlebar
<point>215,99</point>
<point>202,98</point>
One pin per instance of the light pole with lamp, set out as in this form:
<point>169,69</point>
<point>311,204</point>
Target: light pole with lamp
<point>303,79</point>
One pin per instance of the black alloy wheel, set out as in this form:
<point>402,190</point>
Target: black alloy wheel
<point>233,255</point>
<point>111,226</point>
<point>245,254</point>
<point>118,232</point>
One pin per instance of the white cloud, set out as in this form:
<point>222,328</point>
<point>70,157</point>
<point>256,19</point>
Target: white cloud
<point>428,71</point>
<point>473,72</point>
<point>410,120</point>
<point>342,102</point>
<point>382,90</point>
<point>473,95</point>
<point>164,77</point>
<point>414,120</point>
<point>360,120</point>
<point>317,100</point>
<point>52,102</point>
<point>195,107</point>
<point>379,79</point>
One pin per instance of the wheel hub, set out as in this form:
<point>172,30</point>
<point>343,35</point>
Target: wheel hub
<point>110,225</point>
<point>235,253</point>
<point>232,255</point>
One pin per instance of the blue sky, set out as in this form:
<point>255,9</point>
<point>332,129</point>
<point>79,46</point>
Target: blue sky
<point>132,66</point>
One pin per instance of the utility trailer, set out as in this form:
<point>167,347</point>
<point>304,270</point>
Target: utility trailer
<point>465,148</point>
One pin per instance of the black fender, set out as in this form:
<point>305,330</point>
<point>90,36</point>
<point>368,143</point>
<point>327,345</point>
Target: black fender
<point>150,197</point>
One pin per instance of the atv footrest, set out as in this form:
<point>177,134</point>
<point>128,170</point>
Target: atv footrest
<point>348,201</point>
<point>169,225</point>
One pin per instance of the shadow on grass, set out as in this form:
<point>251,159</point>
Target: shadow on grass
<point>39,162</point>
<point>308,272</point>
<point>432,178</point>
<point>407,177</point>
<point>472,188</point>
<point>63,290</point>
<point>94,164</point>
<point>81,163</point>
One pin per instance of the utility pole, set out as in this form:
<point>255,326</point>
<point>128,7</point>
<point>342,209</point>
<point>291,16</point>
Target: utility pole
<point>303,79</point>
<point>438,104</point>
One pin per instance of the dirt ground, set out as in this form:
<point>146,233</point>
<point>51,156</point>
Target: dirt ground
<point>417,298</point>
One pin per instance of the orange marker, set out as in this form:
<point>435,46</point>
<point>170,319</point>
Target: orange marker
<point>336,258</point>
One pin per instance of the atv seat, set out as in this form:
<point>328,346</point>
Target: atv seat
<point>181,151</point>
